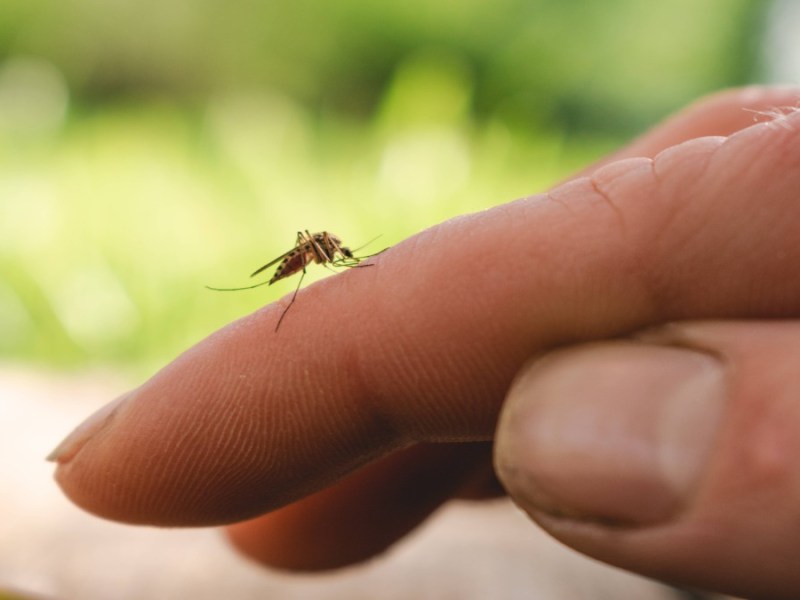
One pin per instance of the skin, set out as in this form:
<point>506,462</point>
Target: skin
<point>324,443</point>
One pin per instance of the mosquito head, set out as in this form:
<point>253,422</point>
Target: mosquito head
<point>333,244</point>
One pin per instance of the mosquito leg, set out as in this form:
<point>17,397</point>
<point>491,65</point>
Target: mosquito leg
<point>334,246</point>
<point>329,269</point>
<point>321,253</point>
<point>285,310</point>
<point>351,262</point>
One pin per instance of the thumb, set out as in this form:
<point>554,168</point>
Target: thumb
<point>673,456</point>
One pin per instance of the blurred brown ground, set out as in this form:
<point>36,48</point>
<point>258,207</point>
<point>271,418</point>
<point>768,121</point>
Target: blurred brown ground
<point>51,549</point>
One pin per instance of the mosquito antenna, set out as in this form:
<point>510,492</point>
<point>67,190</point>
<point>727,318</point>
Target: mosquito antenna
<point>367,244</point>
<point>239,289</point>
<point>285,310</point>
<point>360,258</point>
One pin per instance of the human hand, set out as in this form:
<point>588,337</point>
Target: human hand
<point>668,453</point>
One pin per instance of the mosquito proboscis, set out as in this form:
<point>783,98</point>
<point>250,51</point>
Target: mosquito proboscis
<point>323,248</point>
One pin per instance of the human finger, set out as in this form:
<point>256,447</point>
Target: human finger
<point>268,538</point>
<point>364,513</point>
<point>425,343</point>
<point>673,456</point>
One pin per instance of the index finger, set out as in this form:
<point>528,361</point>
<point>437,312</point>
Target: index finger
<point>423,345</point>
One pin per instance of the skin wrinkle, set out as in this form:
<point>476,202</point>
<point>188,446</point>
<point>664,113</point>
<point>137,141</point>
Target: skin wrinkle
<point>439,415</point>
<point>370,391</point>
<point>407,358</point>
<point>126,487</point>
<point>766,136</point>
<point>653,168</point>
<point>566,194</point>
<point>366,439</point>
<point>617,197</point>
<point>180,448</point>
<point>595,312</point>
<point>485,362</point>
<point>443,417</point>
<point>726,157</point>
<point>380,409</point>
<point>551,197</point>
<point>684,152</point>
<point>674,221</point>
<point>693,166</point>
<point>787,139</point>
<point>162,463</point>
<point>240,428</point>
<point>369,394</point>
<point>606,197</point>
<point>244,462</point>
<point>304,408</point>
<point>376,434</point>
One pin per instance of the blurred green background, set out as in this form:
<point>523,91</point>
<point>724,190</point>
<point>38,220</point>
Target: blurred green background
<point>148,148</point>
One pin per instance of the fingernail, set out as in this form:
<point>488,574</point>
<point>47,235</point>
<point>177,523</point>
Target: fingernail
<point>98,421</point>
<point>618,433</point>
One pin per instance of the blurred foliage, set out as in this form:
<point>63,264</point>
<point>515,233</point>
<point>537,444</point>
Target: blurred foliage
<point>543,59</point>
<point>149,148</point>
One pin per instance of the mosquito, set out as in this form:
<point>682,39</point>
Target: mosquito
<point>323,248</point>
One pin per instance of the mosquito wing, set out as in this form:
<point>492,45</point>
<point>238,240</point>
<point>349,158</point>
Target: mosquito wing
<point>292,263</point>
<point>272,262</point>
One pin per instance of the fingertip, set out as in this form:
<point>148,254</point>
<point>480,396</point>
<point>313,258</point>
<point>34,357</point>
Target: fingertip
<point>215,437</point>
<point>83,433</point>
